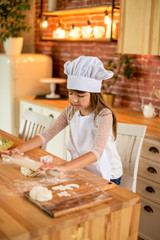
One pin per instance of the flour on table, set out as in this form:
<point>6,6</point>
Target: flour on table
<point>40,194</point>
<point>66,187</point>
<point>64,193</point>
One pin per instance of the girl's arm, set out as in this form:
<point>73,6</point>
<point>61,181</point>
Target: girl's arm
<point>31,144</point>
<point>57,125</point>
<point>79,162</point>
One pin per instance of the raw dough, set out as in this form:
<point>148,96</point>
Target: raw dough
<point>40,194</point>
<point>64,193</point>
<point>66,187</point>
<point>26,171</point>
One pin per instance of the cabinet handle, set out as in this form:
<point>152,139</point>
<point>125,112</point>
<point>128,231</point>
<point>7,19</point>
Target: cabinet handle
<point>51,115</point>
<point>151,170</point>
<point>30,109</point>
<point>150,189</point>
<point>153,150</point>
<point>148,209</point>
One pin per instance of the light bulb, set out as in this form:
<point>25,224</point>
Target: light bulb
<point>72,32</point>
<point>88,28</point>
<point>59,32</point>
<point>45,23</point>
<point>107,19</point>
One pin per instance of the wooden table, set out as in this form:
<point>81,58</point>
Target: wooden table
<point>20,219</point>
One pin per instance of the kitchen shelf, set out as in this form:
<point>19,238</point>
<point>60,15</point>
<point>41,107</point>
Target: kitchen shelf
<point>77,39</point>
<point>77,11</point>
<point>80,11</point>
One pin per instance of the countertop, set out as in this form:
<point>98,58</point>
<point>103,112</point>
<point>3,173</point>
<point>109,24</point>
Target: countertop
<point>21,219</point>
<point>124,115</point>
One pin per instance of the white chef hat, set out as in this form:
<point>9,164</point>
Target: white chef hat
<point>86,73</point>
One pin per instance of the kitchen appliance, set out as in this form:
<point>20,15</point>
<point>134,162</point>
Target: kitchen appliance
<point>20,76</point>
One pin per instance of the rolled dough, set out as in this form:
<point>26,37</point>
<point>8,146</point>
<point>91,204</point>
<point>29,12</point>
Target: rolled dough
<point>40,194</point>
<point>26,171</point>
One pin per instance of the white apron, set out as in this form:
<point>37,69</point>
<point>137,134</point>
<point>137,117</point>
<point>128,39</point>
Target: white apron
<point>81,140</point>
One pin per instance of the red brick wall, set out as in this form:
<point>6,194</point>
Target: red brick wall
<point>129,92</point>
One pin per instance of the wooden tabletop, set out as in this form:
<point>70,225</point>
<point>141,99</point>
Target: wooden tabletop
<point>124,115</point>
<point>21,219</point>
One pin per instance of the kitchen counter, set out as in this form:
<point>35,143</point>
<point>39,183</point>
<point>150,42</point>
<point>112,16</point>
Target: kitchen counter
<point>21,219</point>
<point>124,115</point>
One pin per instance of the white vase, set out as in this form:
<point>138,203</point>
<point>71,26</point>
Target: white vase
<point>52,5</point>
<point>13,46</point>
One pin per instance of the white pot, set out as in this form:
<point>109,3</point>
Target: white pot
<point>13,46</point>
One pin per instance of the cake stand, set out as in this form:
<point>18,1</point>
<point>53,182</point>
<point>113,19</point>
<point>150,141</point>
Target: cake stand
<point>53,82</point>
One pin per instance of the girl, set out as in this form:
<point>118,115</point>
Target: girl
<point>92,123</point>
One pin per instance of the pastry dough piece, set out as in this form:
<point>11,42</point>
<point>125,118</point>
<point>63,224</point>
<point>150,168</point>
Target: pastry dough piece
<point>40,194</point>
<point>26,171</point>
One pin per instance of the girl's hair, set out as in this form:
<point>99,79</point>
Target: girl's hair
<point>98,103</point>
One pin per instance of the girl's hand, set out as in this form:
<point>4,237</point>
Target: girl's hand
<point>52,166</point>
<point>10,152</point>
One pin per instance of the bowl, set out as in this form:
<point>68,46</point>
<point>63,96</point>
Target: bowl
<point>5,143</point>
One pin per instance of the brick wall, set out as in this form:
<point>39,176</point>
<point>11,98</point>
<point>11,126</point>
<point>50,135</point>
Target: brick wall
<point>129,92</point>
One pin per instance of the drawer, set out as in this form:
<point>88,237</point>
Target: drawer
<point>149,169</point>
<point>151,150</point>
<point>148,189</point>
<point>50,112</point>
<point>149,227</point>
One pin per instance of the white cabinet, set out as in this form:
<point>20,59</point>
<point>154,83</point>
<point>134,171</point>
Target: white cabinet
<point>148,186</point>
<point>57,145</point>
<point>139,31</point>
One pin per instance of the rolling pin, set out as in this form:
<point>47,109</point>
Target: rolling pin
<point>31,164</point>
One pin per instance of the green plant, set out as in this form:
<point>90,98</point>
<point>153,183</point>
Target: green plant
<point>124,62</point>
<point>12,18</point>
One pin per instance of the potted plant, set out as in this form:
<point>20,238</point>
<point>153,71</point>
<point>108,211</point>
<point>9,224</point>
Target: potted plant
<point>124,63</point>
<point>12,23</point>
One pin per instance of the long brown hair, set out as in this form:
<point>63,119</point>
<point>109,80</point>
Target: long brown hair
<point>98,103</point>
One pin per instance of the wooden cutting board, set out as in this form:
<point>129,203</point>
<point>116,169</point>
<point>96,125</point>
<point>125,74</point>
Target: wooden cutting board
<point>86,196</point>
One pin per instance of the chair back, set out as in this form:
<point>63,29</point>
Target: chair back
<point>129,143</point>
<point>33,123</point>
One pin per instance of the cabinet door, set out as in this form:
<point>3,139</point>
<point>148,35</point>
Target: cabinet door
<point>139,31</point>
<point>149,220</point>
<point>149,169</point>
<point>148,189</point>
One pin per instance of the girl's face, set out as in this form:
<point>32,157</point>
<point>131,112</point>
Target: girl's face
<point>81,101</point>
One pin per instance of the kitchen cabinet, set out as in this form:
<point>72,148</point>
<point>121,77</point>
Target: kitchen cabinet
<point>139,31</point>
<point>148,186</point>
<point>55,146</point>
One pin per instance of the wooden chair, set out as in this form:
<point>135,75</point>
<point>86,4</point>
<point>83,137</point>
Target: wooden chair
<point>33,123</point>
<point>129,143</point>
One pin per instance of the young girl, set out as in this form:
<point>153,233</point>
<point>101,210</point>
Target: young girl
<point>92,123</point>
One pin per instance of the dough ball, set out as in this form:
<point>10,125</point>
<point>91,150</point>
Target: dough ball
<point>40,194</point>
<point>26,171</point>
